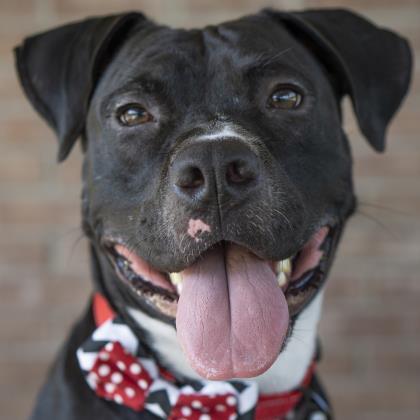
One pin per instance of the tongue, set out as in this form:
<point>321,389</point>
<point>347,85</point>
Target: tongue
<point>232,316</point>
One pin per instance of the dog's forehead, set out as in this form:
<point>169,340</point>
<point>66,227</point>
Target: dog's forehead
<point>209,53</point>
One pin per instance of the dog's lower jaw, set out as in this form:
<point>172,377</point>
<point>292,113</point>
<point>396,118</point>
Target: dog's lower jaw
<point>287,371</point>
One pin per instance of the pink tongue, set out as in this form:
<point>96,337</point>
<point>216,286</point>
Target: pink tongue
<point>232,316</point>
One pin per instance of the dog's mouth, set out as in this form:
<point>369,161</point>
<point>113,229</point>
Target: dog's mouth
<point>232,308</point>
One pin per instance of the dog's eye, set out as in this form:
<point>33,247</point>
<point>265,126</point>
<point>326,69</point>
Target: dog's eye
<point>284,98</point>
<point>133,114</point>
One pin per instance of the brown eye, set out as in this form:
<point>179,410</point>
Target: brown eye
<point>133,114</point>
<point>285,98</point>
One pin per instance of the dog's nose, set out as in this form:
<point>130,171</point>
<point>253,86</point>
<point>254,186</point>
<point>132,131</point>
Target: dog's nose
<point>189,178</point>
<point>225,168</point>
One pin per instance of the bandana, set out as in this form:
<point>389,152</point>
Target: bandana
<point>118,368</point>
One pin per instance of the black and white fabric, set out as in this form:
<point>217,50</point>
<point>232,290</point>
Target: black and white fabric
<point>162,395</point>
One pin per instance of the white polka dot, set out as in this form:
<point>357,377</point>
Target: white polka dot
<point>94,376</point>
<point>116,377</point>
<point>135,368</point>
<point>186,411</point>
<point>205,417</point>
<point>121,365</point>
<point>233,417</point>
<point>231,400</point>
<point>109,347</point>
<point>110,388</point>
<point>104,370</point>
<point>220,407</point>
<point>129,392</point>
<point>142,384</point>
<point>92,379</point>
<point>104,356</point>
<point>196,404</point>
<point>318,415</point>
<point>118,399</point>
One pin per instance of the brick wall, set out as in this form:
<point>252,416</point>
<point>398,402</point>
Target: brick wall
<point>371,321</point>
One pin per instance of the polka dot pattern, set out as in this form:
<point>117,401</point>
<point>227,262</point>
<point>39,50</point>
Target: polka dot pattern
<point>121,365</point>
<point>186,411</point>
<point>110,388</point>
<point>115,375</point>
<point>135,368</point>
<point>119,377</point>
<point>205,407</point>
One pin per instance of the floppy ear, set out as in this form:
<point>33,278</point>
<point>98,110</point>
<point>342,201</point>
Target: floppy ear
<point>372,65</point>
<point>58,70</point>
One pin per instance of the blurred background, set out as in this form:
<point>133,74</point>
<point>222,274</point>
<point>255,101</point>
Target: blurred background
<point>371,321</point>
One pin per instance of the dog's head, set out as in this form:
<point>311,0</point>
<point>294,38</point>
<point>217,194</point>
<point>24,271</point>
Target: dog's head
<point>217,176</point>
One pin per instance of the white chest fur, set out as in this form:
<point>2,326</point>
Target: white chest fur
<point>287,371</point>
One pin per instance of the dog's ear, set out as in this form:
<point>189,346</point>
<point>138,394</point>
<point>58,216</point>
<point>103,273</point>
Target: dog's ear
<point>371,64</point>
<point>58,70</point>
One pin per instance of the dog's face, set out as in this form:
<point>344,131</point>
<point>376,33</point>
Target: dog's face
<point>209,138</point>
<point>211,150</point>
<point>217,179</point>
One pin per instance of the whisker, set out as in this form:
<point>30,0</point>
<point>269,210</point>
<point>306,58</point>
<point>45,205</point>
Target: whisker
<point>69,232</point>
<point>385,228</point>
<point>301,340</point>
<point>386,208</point>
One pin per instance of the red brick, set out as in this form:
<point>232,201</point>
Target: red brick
<point>18,169</point>
<point>371,316</point>
<point>30,212</point>
<point>17,252</point>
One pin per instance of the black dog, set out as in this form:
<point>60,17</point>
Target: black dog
<point>216,184</point>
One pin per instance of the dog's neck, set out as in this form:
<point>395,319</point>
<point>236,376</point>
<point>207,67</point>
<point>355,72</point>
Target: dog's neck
<point>286,373</point>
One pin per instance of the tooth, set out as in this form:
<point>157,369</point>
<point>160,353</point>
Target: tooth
<point>176,280</point>
<point>282,279</point>
<point>284,266</point>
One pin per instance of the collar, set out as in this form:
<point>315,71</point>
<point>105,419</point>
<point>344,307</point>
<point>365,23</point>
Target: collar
<point>118,368</point>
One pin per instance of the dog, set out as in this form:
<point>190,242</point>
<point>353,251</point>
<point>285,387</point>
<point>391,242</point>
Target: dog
<point>217,180</point>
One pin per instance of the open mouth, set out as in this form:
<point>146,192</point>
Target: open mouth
<point>232,308</point>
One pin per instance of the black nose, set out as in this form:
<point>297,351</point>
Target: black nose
<point>204,171</point>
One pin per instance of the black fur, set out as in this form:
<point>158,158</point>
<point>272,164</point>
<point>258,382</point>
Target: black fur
<point>192,82</point>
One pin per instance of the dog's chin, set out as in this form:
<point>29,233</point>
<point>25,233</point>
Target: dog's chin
<point>232,309</point>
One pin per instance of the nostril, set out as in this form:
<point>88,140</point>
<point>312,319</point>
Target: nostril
<point>190,178</point>
<point>239,172</point>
